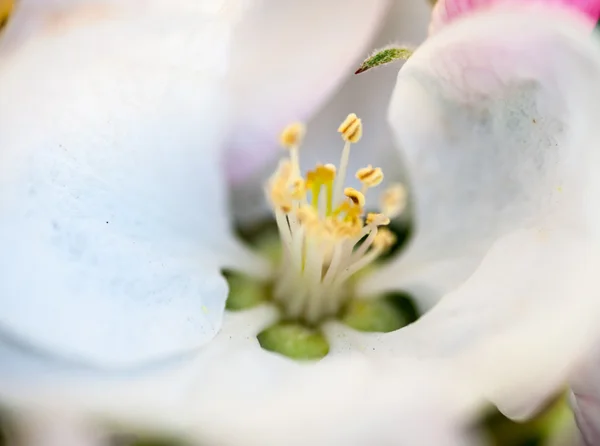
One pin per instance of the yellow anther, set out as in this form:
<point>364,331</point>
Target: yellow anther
<point>306,215</point>
<point>355,196</point>
<point>280,197</point>
<point>326,236</point>
<point>298,189</point>
<point>322,174</point>
<point>330,168</point>
<point>393,200</point>
<point>384,239</point>
<point>292,135</point>
<point>377,219</point>
<point>348,208</point>
<point>351,128</point>
<point>326,173</point>
<point>346,229</point>
<point>283,172</point>
<point>6,7</point>
<point>310,221</point>
<point>370,176</point>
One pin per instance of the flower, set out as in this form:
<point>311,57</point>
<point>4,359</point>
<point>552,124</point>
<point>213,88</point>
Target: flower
<point>106,222</point>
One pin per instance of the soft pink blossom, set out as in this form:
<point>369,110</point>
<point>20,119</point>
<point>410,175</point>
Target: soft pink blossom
<point>446,11</point>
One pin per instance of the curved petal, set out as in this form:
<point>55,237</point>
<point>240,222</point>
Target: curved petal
<point>497,115</point>
<point>33,19</point>
<point>446,11</point>
<point>509,328</point>
<point>479,123</point>
<point>233,392</point>
<point>113,220</point>
<point>287,59</point>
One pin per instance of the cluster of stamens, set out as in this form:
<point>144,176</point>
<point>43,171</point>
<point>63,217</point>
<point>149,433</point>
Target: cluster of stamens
<point>326,234</point>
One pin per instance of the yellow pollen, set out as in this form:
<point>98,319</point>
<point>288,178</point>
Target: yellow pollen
<point>331,168</point>
<point>355,196</point>
<point>370,176</point>
<point>393,200</point>
<point>384,239</point>
<point>280,199</point>
<point>283,172</point>
<point>377,219</point>
<point>321,175</point>
<point>298,189</point>
<point>292,135</point>
<point>351,128</point>
<point>345,229</point>
<point>325,237</point>
<point>307,215</point>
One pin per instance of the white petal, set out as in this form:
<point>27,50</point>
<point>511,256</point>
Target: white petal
<point>233,392</point>
<point>517,327</point>
<point>113,220</point>
<point>288,58</point>
<point>32,19</point>
<point>530,311</point>
<point>487,127</point>
<point>366,95</point>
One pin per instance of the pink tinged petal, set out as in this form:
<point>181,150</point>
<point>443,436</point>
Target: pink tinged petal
<point>497,115</point>
<point>586,408</point>
<point>479,123</point>
<point>446,11</point>
<point>113,215</point>
<point>287,60</point>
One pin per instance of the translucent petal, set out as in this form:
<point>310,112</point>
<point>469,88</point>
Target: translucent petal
<point>233,392</point>
<point>487,130</point>
<point>287,59</point>
<point>497,115</point>
<point>32,19</point>
<point>113,220</point>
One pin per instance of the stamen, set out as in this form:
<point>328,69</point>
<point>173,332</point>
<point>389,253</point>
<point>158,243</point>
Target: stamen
<point>351,130</point>
<point>377,219</point>
<point>393,200</point>
<point>355,196</point>
<point>293,135</point>
<point>370,176</point>
<point>326,237</point>
<point>385,239</point>
<point>291,138</point>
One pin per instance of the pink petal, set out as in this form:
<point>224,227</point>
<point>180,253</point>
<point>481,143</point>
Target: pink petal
<point>445,11</point>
